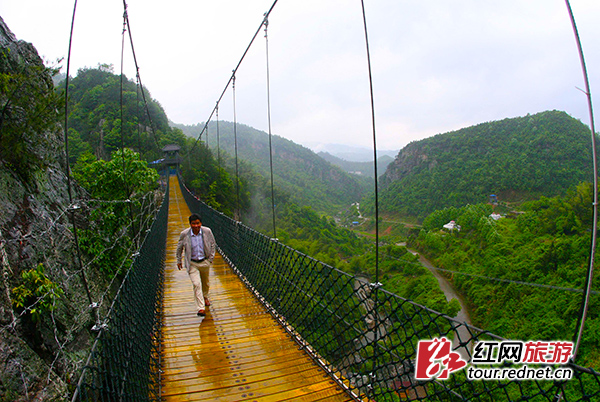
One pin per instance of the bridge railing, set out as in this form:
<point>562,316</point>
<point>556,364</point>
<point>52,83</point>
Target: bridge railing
<point>124,363</point>
<point>364,334</point>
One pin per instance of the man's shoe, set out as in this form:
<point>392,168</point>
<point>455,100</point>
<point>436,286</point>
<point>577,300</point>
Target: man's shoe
<point>201,313</point>
<point>206,302</point>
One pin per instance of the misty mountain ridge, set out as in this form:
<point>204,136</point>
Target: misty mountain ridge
<point>351,159</point>
<point>516,158</point>
<point>298,171</point>
<point>351,153</point>
<point>359,168</point>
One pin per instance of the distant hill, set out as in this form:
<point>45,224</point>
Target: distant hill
<point>298,171</point>
<point>359,168</point>
<point>518,158</point>
<point>351,153</point>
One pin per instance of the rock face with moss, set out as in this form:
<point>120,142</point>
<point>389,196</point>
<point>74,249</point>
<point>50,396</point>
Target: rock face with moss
<point>44,309</point>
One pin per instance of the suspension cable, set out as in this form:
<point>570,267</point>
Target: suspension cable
<point>377,284</point>
<point>237,179</point>
<point>72,207</point>
<point>590,273</point>
<point>266,23</point>
<point>121,97</point>
<point>232,77</point>
<point>374,145</point>
<point>137,112</point>
<point>125,181</point>
<point>137,72</point>
<point>218,144</point>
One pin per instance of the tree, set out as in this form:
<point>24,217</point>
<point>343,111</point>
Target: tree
<point>29,112</point>
<point>122,189</point>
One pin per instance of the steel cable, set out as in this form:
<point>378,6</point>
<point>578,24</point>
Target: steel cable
<point>590,273</point>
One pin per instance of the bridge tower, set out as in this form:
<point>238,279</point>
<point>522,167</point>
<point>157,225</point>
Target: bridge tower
<point>171,158</point>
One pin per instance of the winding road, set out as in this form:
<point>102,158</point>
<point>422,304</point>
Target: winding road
<point>450,293</point>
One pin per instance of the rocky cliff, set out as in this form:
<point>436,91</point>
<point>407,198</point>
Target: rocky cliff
<point>43,343</point>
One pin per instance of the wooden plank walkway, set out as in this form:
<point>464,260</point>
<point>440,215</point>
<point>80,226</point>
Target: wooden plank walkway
<point>238,352</point>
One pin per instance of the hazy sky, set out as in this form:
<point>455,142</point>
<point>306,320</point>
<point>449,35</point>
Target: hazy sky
<point>438,65</point>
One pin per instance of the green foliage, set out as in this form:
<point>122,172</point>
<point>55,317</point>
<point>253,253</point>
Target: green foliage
<point>115,221</point>
<point>210,180</point>
<point>37,295</point>
<point>306,178</point>
<point>96,113</point>
<point>29,111</point>
<point>318,236</point>
<point>516,159</point>
<point>99,126</point>
<point>546,243</point>
<point>400,271</point>
<point>118,179</point>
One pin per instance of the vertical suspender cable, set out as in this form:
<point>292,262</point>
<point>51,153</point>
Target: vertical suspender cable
<point>121,94</point>
<point>219,151</point>
<point>231,79</point>
<point>68,167</point>
<point>137,112</point>
<point>376,284</point>
<point>134,238</point>
<point>266,22</point>
<point>237,179</point>
<point>137,70</point>
<point>218,144</point>
<point>590,273</point>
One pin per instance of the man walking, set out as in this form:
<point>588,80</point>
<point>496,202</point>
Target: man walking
<point>198,244</point>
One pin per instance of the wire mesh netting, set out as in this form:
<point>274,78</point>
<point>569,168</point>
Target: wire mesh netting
<point>366,335</point>
<point>125,360</point>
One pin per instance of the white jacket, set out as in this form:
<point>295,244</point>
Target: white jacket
<point>184,245</point>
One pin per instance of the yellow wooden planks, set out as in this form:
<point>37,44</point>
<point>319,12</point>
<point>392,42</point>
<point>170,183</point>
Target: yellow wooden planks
<point>238,352</point>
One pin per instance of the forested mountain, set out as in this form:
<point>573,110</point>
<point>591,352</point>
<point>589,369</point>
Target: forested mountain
<point>298,171</point>
<point>523,275</point>
<point>96,113</point>
<point>96,132</point>
<point>303,181</point>
<point>515,159</point>
<point>359,168</point>
<point>533,259</point>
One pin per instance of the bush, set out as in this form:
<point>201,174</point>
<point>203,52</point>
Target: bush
<point>37,295</point>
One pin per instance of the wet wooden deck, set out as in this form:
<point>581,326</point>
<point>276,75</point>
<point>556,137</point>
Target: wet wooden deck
<point>238,352</point>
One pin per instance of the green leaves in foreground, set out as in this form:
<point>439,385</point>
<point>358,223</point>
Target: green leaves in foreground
<point>122,192</point>
<point>37,294</point>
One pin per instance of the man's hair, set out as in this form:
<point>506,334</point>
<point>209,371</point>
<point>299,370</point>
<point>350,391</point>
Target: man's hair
<point>195,217</point>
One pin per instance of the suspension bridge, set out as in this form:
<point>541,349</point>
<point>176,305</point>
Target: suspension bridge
<point>281,326</point>
<point>238,351</point>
